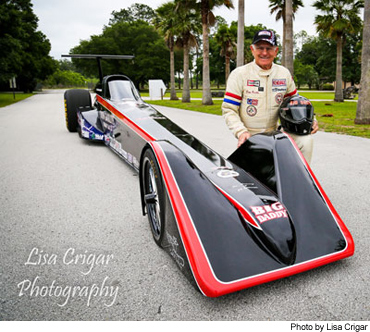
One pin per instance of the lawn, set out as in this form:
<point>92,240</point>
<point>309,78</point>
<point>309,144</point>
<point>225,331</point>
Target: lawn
<point>8,98</point>
<point>332,116</point>
<point>339,118</point>
<point>312,95</point>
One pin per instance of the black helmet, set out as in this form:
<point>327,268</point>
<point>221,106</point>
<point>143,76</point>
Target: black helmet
<point>296,115</point>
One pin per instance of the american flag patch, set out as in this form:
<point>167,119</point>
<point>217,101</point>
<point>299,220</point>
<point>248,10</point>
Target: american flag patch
<point>253,102</point>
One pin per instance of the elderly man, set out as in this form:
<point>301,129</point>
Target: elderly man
<point>255,91</point>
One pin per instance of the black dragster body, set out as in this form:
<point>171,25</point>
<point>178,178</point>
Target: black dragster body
<point>229,223</point>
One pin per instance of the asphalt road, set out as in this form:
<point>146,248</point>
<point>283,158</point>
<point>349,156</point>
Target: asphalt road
<point>74,245</point>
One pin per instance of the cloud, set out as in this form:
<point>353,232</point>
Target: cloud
<point>67,22</point>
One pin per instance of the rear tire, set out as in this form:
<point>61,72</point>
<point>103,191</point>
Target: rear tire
<point>73,99</point>
<point>154,196</point>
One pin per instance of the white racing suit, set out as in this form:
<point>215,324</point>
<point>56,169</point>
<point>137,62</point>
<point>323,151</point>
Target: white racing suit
<point>252,101</point>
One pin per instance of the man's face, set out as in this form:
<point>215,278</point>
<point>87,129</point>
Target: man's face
<point>264,54</point>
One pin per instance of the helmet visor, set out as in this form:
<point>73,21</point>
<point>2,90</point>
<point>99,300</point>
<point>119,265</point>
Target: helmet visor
<point>299,113</point>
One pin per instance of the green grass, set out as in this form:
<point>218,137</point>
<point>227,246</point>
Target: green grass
<point>320,95</point>
<point>8,99</point>
<point>194,105</point>
<point>339,118</point>
<point>332,116</point>
<point>317,95</point>
<point>326,95</point>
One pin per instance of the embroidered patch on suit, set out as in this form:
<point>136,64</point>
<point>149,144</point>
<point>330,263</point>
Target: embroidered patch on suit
<point>279,98</point>
<point>253,83</point>
<point>279,82</point>
<point>251,110</point>
<point>252,102</point>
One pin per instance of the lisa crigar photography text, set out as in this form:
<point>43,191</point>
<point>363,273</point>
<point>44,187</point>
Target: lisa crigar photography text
<point>104,290</point>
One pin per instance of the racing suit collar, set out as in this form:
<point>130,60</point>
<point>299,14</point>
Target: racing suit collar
<point>261,71</point>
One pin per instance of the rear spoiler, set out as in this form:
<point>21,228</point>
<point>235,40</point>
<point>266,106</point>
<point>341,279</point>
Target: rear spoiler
<point>98,58</point>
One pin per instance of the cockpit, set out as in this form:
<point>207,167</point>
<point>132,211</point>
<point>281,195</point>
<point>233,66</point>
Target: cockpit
<point>118,88</point>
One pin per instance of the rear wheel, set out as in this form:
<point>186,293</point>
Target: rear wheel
<point>154,196</point>
<point>73,100</point>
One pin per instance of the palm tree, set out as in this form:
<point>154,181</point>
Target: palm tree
<point>288,36</point>
<point>186,28</point>
<point>363,106</point>
<point>166,22</point>
<point>206,7</point>
<point>240,50</point>
<point>226,39</point>
<point>278,6</point>
<point>341,17</point>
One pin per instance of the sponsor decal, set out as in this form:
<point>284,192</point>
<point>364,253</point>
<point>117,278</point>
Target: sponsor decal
<point>227,173</point>
<point>172,240</point>
<point>269,212</point>
<point>264,32</point>
<point>299,102</point>
<point>106,117</point>
<point>253,83</point>
<point>279,98</point>
<point>251,110</point>
<point>279,82</point>
<point>279,90</point>
<point>251,101</point>
<point>261,89</point>
<point>96,136</point>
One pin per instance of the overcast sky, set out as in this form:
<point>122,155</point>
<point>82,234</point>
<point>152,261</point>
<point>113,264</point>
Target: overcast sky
<point>67,22</point>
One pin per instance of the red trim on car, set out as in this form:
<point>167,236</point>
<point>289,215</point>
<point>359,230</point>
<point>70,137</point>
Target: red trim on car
<point>124,118</point>
<point>198,260</point>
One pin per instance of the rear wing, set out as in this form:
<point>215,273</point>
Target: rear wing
<point>98,58</point>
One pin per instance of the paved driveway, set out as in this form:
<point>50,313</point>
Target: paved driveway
<point>71,226</point>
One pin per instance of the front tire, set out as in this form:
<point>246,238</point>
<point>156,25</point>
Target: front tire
<point>73,100</point>
<point>154,196</point>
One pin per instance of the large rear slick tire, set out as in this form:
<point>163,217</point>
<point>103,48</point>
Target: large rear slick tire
<point>73,100</point>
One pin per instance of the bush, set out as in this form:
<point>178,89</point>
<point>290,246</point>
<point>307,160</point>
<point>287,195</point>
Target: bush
<point>65,79</point>
<point>328,86</point>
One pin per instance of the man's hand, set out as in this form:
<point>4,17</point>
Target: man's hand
<point>315,127</point>
<point>243,137</point>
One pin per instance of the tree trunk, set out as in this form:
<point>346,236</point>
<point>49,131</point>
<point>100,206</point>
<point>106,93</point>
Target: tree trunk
<point>227,67</point>
<point>283,43</point>
<point>240,51</point>
<point>207,97</point>
<point>173,95</point>
<point>338,82</point>
<point>363,105</point>
<point>289,36</point>
<point>186,89</point>
<point>197,77</point>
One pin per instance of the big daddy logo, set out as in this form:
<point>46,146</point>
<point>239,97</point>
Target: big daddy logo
<point>269,212</point>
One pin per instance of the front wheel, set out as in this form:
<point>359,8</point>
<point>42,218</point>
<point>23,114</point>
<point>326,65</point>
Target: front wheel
<point>153,196</point>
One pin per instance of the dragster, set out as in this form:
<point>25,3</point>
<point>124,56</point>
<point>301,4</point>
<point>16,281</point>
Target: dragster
<point>228,223</point>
